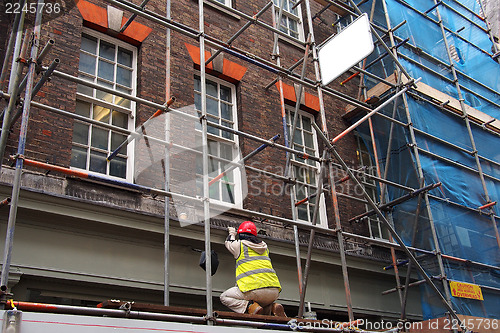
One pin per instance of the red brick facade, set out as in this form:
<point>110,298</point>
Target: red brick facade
<point>259,112</point>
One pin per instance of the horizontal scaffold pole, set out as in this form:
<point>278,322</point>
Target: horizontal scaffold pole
<point>395,202</point>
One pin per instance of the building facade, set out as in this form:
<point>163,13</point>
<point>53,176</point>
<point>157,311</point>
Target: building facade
<point>134,168</point>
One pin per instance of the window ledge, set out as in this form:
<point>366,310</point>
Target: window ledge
<point>293,42</point>
<point>222,8</point>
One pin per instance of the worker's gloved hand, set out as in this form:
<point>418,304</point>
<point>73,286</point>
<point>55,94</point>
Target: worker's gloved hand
<point>232,231</point>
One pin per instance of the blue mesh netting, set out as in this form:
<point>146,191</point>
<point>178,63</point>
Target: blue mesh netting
<point>461,230</point>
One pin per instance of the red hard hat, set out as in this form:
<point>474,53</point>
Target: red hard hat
<point>248,226</point>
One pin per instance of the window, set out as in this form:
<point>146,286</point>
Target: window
<point>291,22</point>
<point>377,230</point>
<point>305,171</point>
<point>222,145</point>
<point>111,63</point>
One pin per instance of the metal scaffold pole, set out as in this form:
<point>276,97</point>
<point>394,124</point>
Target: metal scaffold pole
<point>447,298</point>
<point>204,143</point>
<point>377,164</point>
<point>16,186</point>
<point>15,75</point>
<point>166,233</point>
<point>289,135</point>
<point>467,124</point>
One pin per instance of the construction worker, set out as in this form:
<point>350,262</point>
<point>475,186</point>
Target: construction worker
<point>257,285</point>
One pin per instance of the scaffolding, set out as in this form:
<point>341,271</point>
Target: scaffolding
<point>411,204</point>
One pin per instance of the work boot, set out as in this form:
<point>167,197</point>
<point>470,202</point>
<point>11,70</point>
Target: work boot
<point>277,310</point>
<point>255,308</point>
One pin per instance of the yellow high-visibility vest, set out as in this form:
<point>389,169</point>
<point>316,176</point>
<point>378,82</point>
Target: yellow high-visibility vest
<point>254,271</point>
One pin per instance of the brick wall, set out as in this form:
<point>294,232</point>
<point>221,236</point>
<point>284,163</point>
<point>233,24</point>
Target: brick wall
<point>259,112</point>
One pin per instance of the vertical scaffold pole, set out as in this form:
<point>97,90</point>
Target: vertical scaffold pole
<point>340,238</point>
<point>16,186</point>
<point>319,188</point>
<point>325,133</point>
<point>377,165</point>
<point>166,233</point>
<point>14,79</point>
<point>467,123</point>
<point>289,144</point>
<point>447,298</point>
<point>13,44</point>
<point>204,141</point>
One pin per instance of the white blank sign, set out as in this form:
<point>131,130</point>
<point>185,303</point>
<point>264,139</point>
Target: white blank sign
<point>345,49</point>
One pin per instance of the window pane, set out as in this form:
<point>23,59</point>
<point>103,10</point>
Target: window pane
<point>87,63</point>
<point>99,138</point>
<point>302,212</point>
<point>292,10</point>
<point>106,70</point>
<point>199,187</point>
<point>214,191</point>
<point>120,119</point>
<point>101,114</point>
<point>228,193</point>
<point>104,95</point>
<point>107,50</point>
<point>197,101</point>
<point>310,177</point>
<point>293,28</point>
<point>226,151</point>
<point>213,167</point>
<point>228,177</point>
<point>374,229</point>
<point>124,77</point>
<point>118,167</point>
<point>199,164</point>
<point>225,94</point>
<point>301,192</point>
<point>79,157</point>
<point>81,133</point>
<point>226,134</point>
<point>197,83</point>
<point>125,57</point>
<point>212,107</point>
<point>283,26</point>
<point>89,44</point>
<point>226,111</point>
<point>97,162</point>
<point>212,148</point>
<point>297,138</point>
<point>116,140</point>
<point>306,121</point>
<point>211,88</point>
<point>83,109</point>
<point>212,130</point>
<point>84,89</point>
<point>308,140</point>
<point>122,101</point>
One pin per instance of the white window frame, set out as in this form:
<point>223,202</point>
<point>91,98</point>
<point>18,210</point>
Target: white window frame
<point>227,3</point>
<point>371,188</point>
<point>238,189</point>
<point>289,15</point>
<point>311,165</point>
<point>130,112</point>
